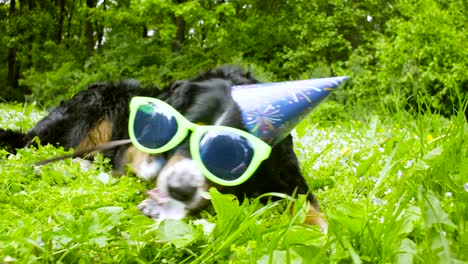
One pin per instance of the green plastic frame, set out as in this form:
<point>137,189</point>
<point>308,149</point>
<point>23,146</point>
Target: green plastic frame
<point>261,149</point>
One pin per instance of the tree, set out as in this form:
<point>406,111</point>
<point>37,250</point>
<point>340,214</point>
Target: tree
<point>13,65</point>
<point>89,30</point>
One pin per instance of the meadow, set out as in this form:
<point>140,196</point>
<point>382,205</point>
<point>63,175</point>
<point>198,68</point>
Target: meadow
<point>393,187</point>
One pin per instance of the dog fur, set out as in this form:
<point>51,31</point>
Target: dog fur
<point>94,116</point>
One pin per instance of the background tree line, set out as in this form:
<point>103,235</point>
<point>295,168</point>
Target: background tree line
<point>396,51</point>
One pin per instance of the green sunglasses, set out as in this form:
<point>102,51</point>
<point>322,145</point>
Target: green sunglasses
<point>225,155</point>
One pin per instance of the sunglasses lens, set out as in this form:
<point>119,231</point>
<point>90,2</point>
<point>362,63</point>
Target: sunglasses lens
<point>225,154</point>
<point>154,125</point>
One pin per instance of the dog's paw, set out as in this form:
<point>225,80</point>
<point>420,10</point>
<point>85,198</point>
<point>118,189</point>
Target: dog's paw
<point>171,209</point>
<point>149,208</point>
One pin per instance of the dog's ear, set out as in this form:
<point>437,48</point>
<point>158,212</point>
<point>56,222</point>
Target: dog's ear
<point>181,95</point>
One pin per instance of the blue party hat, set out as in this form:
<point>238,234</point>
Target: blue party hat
<point>270,111</point>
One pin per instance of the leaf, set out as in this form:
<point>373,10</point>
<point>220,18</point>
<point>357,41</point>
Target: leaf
<point>411,217</point>
<point>433,154</point>
<point>406,251</point>
<point>350,216</point>
<point>227,209</point>
<point>302,235</point>
<point>425,163</point>
<point>365,165</point>
<point>280,257</point>
<point>311,254</point>
<point>177,232</point>
<point>433,211</point>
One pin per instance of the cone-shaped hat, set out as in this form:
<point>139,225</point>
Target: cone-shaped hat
<point>270,111</point>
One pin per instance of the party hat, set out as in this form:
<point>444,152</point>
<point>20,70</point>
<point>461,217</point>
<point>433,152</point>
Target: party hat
<point>270,111</point>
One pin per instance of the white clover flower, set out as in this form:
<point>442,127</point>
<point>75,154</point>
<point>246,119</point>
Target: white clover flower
<point>409,163</point>
<point>378,201</point>
<point>388,191</point>
<point>38,170</point>
<point>399,174</point>
<point>448,194</point>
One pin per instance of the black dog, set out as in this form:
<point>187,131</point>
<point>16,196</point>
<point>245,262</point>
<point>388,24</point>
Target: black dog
<point>99,114</point>
<point>207,99</point>
<point>94,116</point>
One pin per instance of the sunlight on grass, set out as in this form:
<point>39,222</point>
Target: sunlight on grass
<point>19,116</point>
<point>394,189</point>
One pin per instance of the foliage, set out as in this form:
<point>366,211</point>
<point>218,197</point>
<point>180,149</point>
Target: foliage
<point>394,190</point>
<point>395,51</point>
<point>422,62</point>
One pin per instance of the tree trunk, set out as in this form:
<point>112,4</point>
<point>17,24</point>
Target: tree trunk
<point>69,19</point>
<point>179,21</point>
<point>100,28</point>
<point>145,32</point>
<point>89,31</point>
<point>59,31</point>
<point>13,65</point>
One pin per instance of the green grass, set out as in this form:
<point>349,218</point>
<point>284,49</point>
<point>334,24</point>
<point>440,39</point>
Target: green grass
<point>394,189</point>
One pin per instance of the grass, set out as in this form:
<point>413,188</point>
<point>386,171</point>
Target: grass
<point>394,189</point>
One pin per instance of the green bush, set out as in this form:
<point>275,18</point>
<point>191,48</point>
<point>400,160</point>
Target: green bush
<point>421,59</point>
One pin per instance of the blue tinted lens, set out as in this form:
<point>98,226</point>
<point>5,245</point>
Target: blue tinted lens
<point>154,125</point>
<point>225,154</point>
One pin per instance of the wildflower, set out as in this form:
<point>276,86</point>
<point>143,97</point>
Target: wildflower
<point>382,219</point>
<point>399,174</point>
<point>429,138</point>
<point>409,163</point>
<point>378,201</point>
<point>388,191</point>
<point>344,150</point>
<point>448,194</point>
<point>466,186</point>
<point>37,170</point>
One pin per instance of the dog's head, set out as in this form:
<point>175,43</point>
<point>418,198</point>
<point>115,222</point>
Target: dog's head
<point>204,100</point>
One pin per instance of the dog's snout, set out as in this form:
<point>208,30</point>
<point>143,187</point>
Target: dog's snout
<point>182,193</point>
<point>182,180</point>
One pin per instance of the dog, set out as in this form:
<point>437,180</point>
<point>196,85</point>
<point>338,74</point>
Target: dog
<point>94,116</point>
<point>180,188</point>
<point>99,114</point>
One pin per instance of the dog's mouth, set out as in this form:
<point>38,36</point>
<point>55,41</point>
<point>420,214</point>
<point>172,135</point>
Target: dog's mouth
<point>180,188</point>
